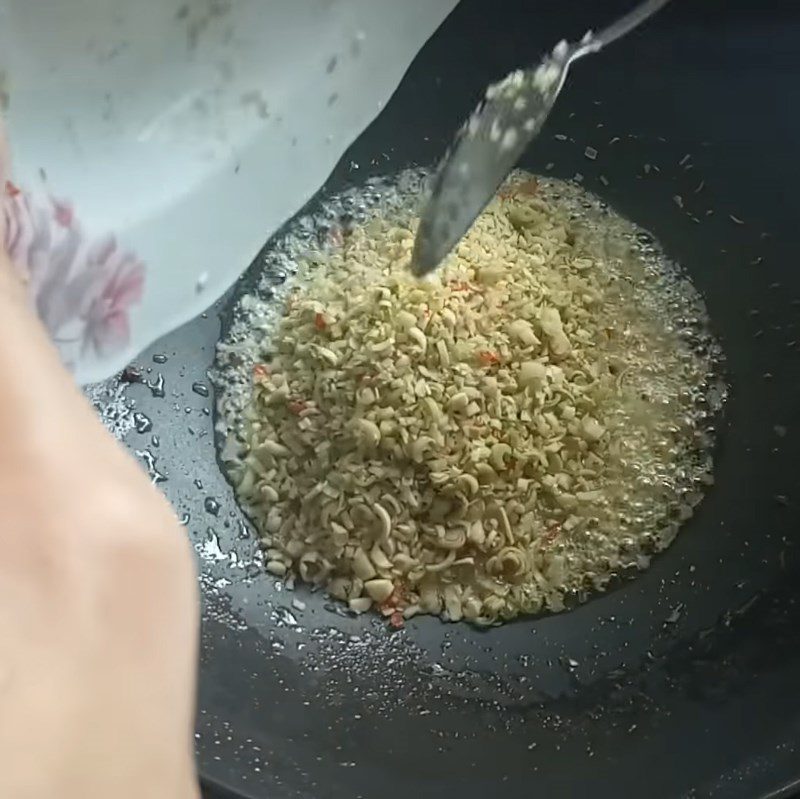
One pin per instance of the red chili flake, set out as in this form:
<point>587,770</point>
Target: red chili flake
<point>297,406</point>
<point>336,237</point>
<point>528,187</point>
<point>260,371</point>
<point>488,358</point>
<point>11,189</point>
<point>319,321</point>
<point>397,621</point>
<point>552,534</point>
<point>131,374</point>
<point>525,187</point>
<point>397,599</point>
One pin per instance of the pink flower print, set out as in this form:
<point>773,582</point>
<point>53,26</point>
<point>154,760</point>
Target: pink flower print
<point>121,280</point>
<point>81,291</point>
<point>19,229</point>
<point>63,213</point>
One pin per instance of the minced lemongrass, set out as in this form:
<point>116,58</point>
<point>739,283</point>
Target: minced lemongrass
<point>519,429</point>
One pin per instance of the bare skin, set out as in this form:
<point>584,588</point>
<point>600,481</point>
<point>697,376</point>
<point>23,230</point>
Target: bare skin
<point>98,596</point>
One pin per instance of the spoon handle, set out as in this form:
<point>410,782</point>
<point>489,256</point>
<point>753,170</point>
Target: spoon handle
<point>626,23</point>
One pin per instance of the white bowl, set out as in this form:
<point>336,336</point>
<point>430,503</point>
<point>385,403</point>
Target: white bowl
<point>157,145</point>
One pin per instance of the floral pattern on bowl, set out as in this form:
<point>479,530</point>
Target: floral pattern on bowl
<point>82,289</point>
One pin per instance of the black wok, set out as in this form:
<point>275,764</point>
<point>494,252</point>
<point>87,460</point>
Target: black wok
<point>682,682</point>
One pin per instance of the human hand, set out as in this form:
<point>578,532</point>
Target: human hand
<point>98,596</point>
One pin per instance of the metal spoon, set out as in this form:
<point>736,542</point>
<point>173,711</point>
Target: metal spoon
<point>489,145</point>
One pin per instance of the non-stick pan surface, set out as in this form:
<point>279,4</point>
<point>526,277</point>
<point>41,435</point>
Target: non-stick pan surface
<point>682,682</point>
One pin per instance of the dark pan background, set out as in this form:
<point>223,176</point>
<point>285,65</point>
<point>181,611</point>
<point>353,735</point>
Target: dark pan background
<point>683,682</point>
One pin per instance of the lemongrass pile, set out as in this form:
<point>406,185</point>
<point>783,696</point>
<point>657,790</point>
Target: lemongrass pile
<point>512,432</point>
